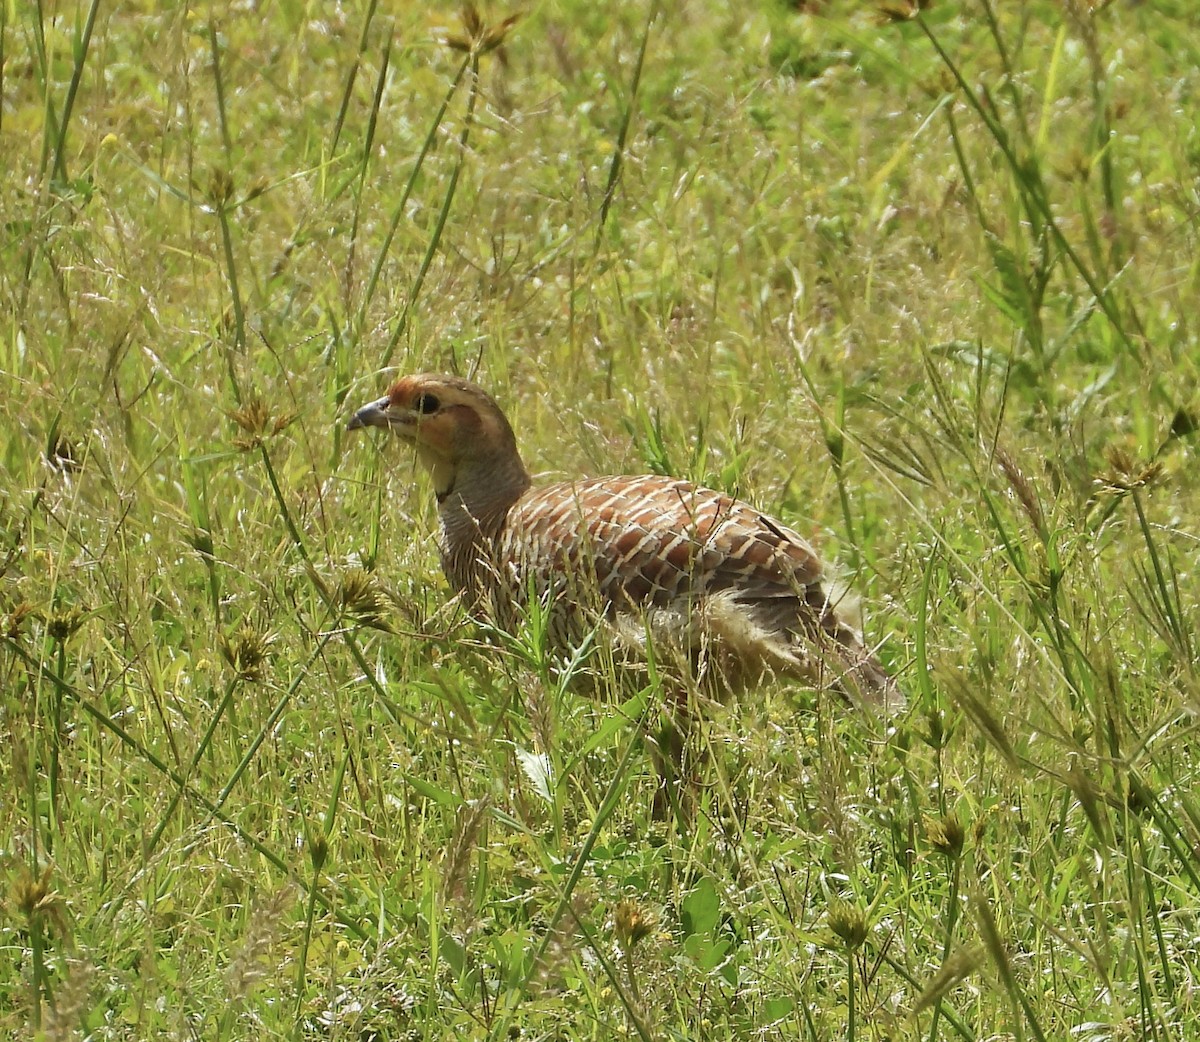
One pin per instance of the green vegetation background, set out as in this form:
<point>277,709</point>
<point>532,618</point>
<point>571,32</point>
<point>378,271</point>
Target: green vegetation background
<point>925,287</point>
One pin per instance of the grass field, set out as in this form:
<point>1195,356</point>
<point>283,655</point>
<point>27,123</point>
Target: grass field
<point>925,288</point>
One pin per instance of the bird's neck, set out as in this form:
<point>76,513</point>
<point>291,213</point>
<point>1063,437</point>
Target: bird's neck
<point>473,508</point>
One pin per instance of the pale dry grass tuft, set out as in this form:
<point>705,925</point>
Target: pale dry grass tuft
<point>70,1001</point>
<point>268,922</point>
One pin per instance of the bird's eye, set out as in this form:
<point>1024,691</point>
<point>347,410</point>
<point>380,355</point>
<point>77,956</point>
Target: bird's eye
<point>427,403</point>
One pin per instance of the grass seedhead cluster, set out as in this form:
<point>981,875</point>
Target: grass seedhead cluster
<point>247,650</point>
<point>363,602</point>
<point>917,277</point>
<point>477,37</point>
<point>72,1000</point>
<point>34,900</point>
<point>946,835</point>
<point>250,963</point>
<point>257,424</point>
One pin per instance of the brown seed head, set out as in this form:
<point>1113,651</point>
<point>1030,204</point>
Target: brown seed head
<point>946,835</point>
<point>631,923</point>
<point>61,626</point>
<point>246,650</point>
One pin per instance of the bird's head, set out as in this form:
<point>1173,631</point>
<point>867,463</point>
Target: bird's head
<point>456,426</point>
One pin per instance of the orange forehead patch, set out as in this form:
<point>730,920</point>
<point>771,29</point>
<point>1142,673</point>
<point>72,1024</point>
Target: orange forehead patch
<point>405,390</point>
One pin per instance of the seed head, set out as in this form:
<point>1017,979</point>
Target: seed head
<point>1127,473</point>
<point>630,923</point>
<point>848,923</point>
<point>15,619</point>
<point>255,419</point>
<point>61,626</point>
<point>34,899</point>
<point>362,600</point>
<point>246,650</point>
<point>478,38</point>
<point>946,835</point>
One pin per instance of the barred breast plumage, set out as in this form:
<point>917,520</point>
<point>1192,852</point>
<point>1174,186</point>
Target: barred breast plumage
<point>657,558</point>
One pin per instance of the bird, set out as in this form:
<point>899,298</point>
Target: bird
<point>658,562</point>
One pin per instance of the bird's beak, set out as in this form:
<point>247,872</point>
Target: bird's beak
<point>377,414</point>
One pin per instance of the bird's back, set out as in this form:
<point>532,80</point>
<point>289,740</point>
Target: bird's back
<point>659,555</point>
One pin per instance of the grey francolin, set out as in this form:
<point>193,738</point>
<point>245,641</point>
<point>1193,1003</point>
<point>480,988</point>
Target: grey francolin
<point>656,559</point>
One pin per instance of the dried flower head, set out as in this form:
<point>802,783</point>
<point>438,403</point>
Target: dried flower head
<point>905,11</point>
<point>457,861</point>
<point>946,835</point>
<point>478,38</point>
<point>1126,472</point>
<point>266,924</point>
<point>362,600</point>
<point>15,619</point>
<point>1023,489</point>
<point>255,419</point>
<point>1089,796</point>
<point>62,453</point>
<point>70,1001</point>
<point>631,923</point>
<point>35,900</point>
<point>62,625</point>
<point>220,187</point>
<point>246,650</point>
<point>937,732</point>
<point>318,851</point>
<point>960,965</point>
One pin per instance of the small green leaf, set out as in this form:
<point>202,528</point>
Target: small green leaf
<point>701,909</point>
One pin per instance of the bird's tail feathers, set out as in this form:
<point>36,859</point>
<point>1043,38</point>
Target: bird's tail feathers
<point>863,678</point>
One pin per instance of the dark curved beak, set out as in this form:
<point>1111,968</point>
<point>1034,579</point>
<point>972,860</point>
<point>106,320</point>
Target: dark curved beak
<point>374,415</point>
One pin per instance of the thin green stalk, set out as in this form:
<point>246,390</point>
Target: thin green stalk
<point>239,316</point>
<point>1170,830</point>
<point>921,647</point>
<point>1036,197</point>
<point>49,133</point>
<point>436,238</point>
<point>1144,860</point>
<point>219,86</point>
<point>38,982</point>
<point>618,157</point>
<point>351,76</point>
<point>951,921</point>
<point>221,195</point>
<point>33,915</point>
<point>50,129</point>
<point>3,39</point>
<point>323,592</point>
<point>852,545</point>
<point>1166,601</point>
<point>947,1013</point>
<point>365,162</point>
<point>80,49</point>
<point>1018,999</point>
<point>268,725</point>
<point>318,852</point>
<point>607,806</point>
<point>402,205</point>
<point>56,730</point>
<point>614,978</point>
<point>286,514</point>
<point>1010,78</point>
<point>850,1025</point>
<point>169,813</point>
<point>629,972</point>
